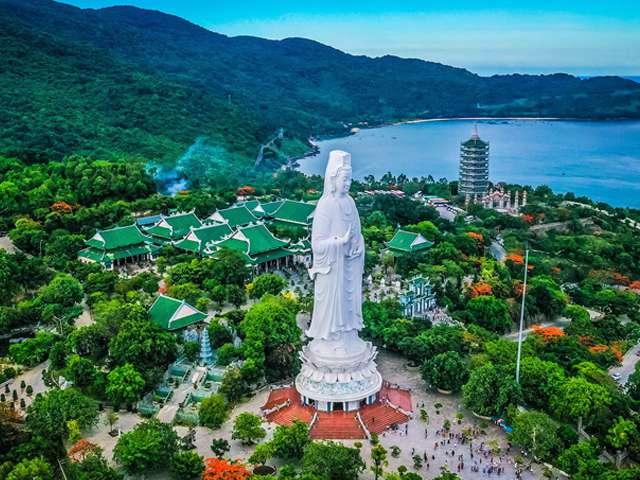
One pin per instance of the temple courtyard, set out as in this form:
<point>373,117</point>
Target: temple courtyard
<point>415,437</point>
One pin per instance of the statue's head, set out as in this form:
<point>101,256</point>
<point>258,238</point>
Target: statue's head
<point>337,180</point>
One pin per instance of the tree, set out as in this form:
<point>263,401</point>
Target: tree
<point>537,433</point>
<point>580,457</point>
<point>219,334</point>
<point>431,342</point>
<point>90,341</point>
<point>579,399</point>
<point>489,312</point>
<point>33,351</point>
<point>144,344</point>
<point>49,413</point>
<point>332,461</point>
<point>80,371</point>
<point>262,454</point>
<point>221,469</point>
<point>235,295</point>
<point>290,441</point>
<point>191,350</point>
<point>149,447</point>
<point>32,469</point>
<point>378,460</point>
<point>544,296</point>
<point>63,290</point>
<point>233,385</point>
<point>186,465</point>
<point>272,336</point>
<point>228,268</point>
<point>540,380</point>
<point>220,446</point>
<point>620,435</point>
<point>633,383</point>
<point>447,371</point>
<point>491,390</point>
<point>267,283</point>
<point>247,428</point>
<point>213,411</point>
<point>124,385</point>
<point>227,353</point>
<point>93,467</point>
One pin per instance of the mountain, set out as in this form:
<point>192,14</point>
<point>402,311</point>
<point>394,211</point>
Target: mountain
<point>140,82</point>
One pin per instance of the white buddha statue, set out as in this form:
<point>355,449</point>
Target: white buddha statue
<point>338,256</point>
<point>338,367</point>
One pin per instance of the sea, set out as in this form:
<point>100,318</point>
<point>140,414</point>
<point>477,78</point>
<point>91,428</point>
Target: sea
<point>597,159</point>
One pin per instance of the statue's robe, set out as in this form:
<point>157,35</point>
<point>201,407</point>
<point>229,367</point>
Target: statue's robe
<point>337,269</point>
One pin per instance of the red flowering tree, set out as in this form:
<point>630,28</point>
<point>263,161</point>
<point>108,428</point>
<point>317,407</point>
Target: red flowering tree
<point>548,334</point>
<point>82,449</point>
<point>221,469</point>
<point>480,288</point>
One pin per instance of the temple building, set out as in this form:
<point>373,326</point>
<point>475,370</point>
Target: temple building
<point>173,227</point>
<point>173,314</point>
<point>201,240</point>
<point>237,216</point>
<point>404,242</point>
<point>292,213</point>
<point>504,201</point>
<point>419,298</point>
<point>262,250</point>
<point>118,246</point>
<point>474,168</point>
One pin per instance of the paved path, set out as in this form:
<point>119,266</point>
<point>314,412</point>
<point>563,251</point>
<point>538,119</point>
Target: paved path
<point>85,317</point>
<point>628,365</point>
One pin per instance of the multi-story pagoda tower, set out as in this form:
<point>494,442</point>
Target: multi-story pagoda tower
<point>474,167</point>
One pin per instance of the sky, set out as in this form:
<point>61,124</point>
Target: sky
<point>585,37</point>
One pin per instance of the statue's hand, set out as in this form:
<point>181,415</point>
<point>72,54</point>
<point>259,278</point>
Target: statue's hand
<point>344,239</point>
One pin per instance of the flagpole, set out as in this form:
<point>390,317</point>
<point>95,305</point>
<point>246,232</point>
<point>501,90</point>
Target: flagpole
<point>524,293</point>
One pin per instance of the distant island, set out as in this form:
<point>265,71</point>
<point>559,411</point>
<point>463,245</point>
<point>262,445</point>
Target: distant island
<point>123,82</point>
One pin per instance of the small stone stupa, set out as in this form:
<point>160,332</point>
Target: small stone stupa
<point>206,353</point>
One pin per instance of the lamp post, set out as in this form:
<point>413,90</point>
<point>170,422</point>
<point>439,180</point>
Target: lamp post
<point>524,294</point>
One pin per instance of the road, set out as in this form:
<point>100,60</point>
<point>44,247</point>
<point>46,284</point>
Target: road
<point>628,365</point>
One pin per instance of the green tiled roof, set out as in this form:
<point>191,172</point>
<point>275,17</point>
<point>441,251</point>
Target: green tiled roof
<point>174,227</point>
<point>108,256</point>
<point>257,243</point>
<point>234,216</point>
<point>271,207</point>
<point>404,241</point>
<point>188,245</point>
<point>199,238</point>
<point>260,239</point>
<point>117,237</point>
<point>290,211</point>
<point>172,314</point>
<point>254,207</point>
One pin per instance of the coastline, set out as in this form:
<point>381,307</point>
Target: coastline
<point>448,119</point>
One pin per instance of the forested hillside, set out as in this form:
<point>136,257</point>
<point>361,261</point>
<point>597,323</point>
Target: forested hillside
<point>126,80</point>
